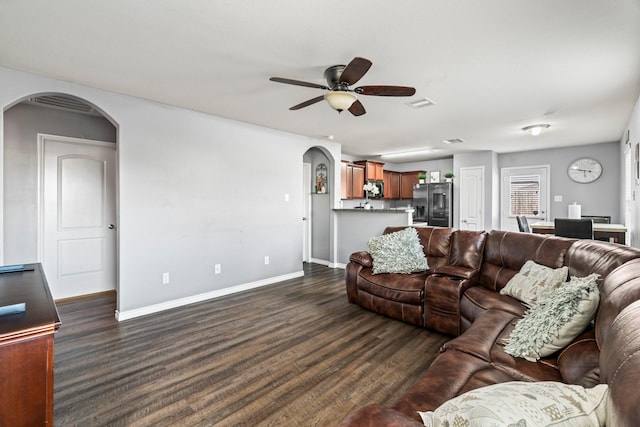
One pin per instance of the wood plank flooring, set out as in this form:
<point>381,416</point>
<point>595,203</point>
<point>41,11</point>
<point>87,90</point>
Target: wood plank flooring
<point>291,354</point>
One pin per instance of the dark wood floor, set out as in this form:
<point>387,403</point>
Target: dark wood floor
<point>290,354</point>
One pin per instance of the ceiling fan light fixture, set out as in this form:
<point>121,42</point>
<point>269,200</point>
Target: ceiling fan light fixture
<point>536,130</point>
<point>340,100</point>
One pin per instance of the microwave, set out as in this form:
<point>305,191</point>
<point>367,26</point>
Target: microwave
<point>380,186</point>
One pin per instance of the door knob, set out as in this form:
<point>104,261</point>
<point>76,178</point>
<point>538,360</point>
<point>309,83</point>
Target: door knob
<point>111,226</point>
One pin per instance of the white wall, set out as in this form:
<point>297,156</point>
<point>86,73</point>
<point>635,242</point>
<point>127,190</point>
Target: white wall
<point>633,204</point>
<point>194,190</point>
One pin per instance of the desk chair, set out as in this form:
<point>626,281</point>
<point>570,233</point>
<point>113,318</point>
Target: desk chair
<point>575,228</point>
<point>523,224</point>
<point>598,219</point>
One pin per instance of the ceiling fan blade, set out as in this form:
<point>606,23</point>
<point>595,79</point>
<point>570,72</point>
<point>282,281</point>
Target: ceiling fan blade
<point>298,83</point>
<point>307,103</point>
<point>357,109</point>
<point>385,90</point>
<point>354,71</point>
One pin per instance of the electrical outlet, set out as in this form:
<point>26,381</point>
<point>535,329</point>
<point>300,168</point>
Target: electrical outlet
<point>266,260</point>
<point>286,197</point>
<point>165,278</point>
<point>218,269</point>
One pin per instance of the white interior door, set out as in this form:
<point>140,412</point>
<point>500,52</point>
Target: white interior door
<point>524,191</point>
<point>306,214</point>
<point>77,235</point>
<point>472,198</point>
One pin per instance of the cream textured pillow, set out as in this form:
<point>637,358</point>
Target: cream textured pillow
<point>557,318</point>
<point>523,404</point>
<point>534,280</point>
<point>399,252</point>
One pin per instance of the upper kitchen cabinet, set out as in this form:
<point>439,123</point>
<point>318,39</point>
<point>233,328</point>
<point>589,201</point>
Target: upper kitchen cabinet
<point>391,182</point>
<point>373,170</point>
<point>351,180</point>
<point>407,181</point>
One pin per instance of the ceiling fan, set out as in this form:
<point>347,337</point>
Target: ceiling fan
<point>340,96</point>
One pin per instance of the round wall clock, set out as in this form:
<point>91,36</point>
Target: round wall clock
<point>585,170</point>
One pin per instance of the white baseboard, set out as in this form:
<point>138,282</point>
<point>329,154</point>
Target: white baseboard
<point>320,261</point>
<point>338,265</point>
<point>155,308</point>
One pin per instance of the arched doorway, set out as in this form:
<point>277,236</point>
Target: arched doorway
<point>318,167</point>
<point>30,124</point>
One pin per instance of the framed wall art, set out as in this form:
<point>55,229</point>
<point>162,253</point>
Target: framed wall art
<point>434,176</point>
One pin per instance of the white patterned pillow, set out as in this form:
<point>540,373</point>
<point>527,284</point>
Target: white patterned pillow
<point>534,280</point>
<point>523,404</point>
<point>557,318</point>
<point>399,252</point>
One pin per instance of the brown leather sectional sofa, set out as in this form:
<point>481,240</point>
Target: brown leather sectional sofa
<point>460,296</point>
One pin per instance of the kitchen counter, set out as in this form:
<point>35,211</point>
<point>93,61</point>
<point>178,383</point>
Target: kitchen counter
<point>356,226</point>
<point>376,210</point>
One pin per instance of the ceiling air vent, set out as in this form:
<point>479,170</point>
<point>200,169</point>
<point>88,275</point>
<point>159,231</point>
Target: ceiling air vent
<point>66,103</point>
<point>420,103</point>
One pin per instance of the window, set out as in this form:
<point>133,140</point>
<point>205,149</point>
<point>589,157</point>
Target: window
<point>524,195</point>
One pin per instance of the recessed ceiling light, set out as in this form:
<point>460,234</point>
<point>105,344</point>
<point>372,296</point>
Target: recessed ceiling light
<point>536,130</point>
<point>420,103</point>
<point>453,141</point>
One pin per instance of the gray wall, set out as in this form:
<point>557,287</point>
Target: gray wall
<point>193,190</point>
<point>601,197</point>
<point>320,208</point>
<point>487,159</point>
<point>22,123</point>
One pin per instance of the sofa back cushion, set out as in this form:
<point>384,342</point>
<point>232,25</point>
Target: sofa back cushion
<point>466,249</point>
<point>506,252</point>
<point>435,242</point>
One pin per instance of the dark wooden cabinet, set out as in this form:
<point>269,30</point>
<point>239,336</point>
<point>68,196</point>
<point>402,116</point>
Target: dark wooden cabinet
<point>373,170</point>
<point>391,182</point>
<point>407,181</point>
<point>26,349</point>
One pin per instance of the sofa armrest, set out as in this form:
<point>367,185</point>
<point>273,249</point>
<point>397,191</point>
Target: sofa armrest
<point>376,415</point>
<point>363,258</point>
<point>455,271</point>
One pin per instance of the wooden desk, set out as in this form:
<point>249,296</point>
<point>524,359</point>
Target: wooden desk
<point>26,349</point>
<point>615,231</point>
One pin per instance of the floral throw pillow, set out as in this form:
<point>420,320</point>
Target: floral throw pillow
<point>557,318</point>
<point>534,280</point>
<point>523,404</point>
<point>399,252</point>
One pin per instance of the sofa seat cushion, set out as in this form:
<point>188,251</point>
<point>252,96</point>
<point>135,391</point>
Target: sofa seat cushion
<point>477,299</point>
<point>485,340</point>
<point>404,288</point>
<point>451,374</point>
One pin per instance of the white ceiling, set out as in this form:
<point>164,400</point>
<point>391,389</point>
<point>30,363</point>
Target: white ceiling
<point>490,66</point>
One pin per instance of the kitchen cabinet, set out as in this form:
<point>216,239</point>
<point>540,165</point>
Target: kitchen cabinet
<point>343,179</point>
<point>351,181</point>
<point>373,170</point>
<point>391,182</point>
<point>357,182</point>
<point>407,181</point>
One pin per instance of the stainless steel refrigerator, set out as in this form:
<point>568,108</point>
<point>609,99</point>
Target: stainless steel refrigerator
<point>433,204</point>
<point>440,212</point>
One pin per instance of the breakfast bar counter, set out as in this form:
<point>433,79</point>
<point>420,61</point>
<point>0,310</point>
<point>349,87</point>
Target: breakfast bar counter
<point>356,226</point>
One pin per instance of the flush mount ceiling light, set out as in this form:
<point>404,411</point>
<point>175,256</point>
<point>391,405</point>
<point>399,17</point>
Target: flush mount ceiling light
<point>453,141</point>
<point>340,100</point>
<point>535,130</point>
